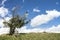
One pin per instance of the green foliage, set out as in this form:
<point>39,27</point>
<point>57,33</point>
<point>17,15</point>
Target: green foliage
<point>16,21</point>
<point>32,36</point>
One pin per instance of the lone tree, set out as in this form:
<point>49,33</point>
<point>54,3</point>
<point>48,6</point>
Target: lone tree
<point>17,21</point>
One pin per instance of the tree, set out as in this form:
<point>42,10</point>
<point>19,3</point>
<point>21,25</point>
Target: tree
<point>16,21</point>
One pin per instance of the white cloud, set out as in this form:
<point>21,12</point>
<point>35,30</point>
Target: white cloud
<point>3,1</point>
<point>41,19</point>
<point>21,30</point>
<point>25,30</point>
<point>4,31</point>
<point>36,10</point>
<point>3,11</point>
<point>53,29</point>
<point>1,21</point>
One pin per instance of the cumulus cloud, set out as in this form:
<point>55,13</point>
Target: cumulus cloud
<point>4,31</point>
<point>41,19</point>
<point>25,30</point>
<point>21,30</point>
<point>54,29</point>
<point>3,11</point>
<point>36,10</point>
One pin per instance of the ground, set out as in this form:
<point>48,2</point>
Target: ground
<point>32,36</point>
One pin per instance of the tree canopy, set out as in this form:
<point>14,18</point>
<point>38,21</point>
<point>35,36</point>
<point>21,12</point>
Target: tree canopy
<point>17,21</point>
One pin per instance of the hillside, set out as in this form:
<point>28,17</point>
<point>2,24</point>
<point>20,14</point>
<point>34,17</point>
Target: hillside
<point>32,36</point>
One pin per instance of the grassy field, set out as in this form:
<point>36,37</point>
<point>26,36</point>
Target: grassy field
<point>32,36</point>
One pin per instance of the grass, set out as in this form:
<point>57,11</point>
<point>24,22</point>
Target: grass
<point>32,36</point>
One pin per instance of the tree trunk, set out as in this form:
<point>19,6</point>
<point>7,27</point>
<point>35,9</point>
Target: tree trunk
<point>12,30</point>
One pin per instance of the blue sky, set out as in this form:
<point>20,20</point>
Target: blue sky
<point>44,14</point>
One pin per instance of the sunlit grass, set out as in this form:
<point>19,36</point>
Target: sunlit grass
<point>32,36</point>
